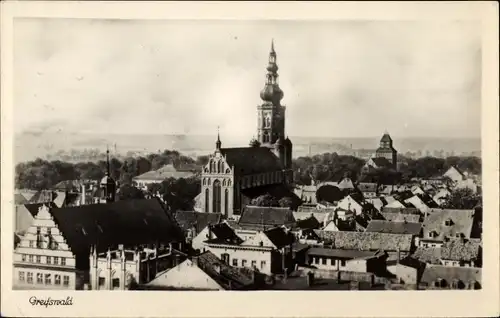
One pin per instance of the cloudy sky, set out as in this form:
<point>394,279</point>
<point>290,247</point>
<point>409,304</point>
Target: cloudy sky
<point>340,78</point>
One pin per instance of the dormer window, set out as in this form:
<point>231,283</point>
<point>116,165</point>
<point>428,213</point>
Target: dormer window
<point>448,222</point>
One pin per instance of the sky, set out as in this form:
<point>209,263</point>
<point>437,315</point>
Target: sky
<point>340,78</point>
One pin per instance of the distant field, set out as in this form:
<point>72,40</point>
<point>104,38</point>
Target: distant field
<point>29,146</point>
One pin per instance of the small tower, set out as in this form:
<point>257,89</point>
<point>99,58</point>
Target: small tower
<point>107,184</point>
<point>218,143</point>
<point>386,150</point>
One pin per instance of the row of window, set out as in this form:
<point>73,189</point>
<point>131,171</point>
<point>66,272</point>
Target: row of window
<point>52,260</point>
<point>41,244</point>
<point>318,260</point>
<point>28,277</point>
<point>225,182</point>
<point>244,263</point>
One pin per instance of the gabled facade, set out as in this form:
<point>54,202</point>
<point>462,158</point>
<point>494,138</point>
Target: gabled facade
<point>43,259</point>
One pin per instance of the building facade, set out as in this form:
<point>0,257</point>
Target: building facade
<point>386,150</point>
<point>266,162</point>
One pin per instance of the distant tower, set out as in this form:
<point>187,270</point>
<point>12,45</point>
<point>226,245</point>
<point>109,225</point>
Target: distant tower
<point>271,114</point>
<point>107,185</point>
<point>386,150</point>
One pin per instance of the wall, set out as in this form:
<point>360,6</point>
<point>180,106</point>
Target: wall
<point>198,240</point>
<point>236,256</point>
<point>344,275</point>
<point>407,274</point>
<point>23,219</point>
<point>356,265</point>
<point>71,276</point>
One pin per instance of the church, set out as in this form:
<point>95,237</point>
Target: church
<point>385,157</point>
<point>234,176</point>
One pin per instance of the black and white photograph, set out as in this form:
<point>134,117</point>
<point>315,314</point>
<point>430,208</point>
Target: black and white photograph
<point>247,155</point>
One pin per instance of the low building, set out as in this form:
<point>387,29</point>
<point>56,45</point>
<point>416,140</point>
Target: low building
<point>446,223</point>
<point>404,227</point>
<point>444,277</point>
<point>368,189</point>
<point>269,252</point>
<point>346,260</point>
<point>451,253</point>
<point>257,218</point>
<point>307,193</point>
<point>402,217</point>
<point>168,171</point>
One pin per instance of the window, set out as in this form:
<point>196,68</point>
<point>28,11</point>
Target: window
<point>21,276</point>
<point>342,262</point>
<point>23,257</point>
<point>243,262</point>
<point>225,258</point>
<point>57,279</point>
<point>48,279</point>
<point>316,259</point>
<point>226,202</point>
<point>63,261</point>
<point>39,278</point>
<point>38,259</point>
<point>323,259</point>
<point>262,264</point>
<point>235,262</point>
<point>30,258</point>
<point>207,200</point>
<point>102,280</point>
<point>66,280</point>
<point>30,278</point>
<point>254,264</point>
<point>32,244</point>
<point>217,204</point>
<point>56,260</point>
<point>49,259</point>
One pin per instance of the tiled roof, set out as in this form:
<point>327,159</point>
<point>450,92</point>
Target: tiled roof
<point>267,216</point>
<point>431,255</point>
<point>400,217</point>
<point>19,199</point>
<point>318,215</point>
<point>458,250</point>
<point>309,223</point>
<point>465,274</point>
<point>367,187</point>
<point>367,241</point>
<point>168,171</point>
<point>128,222</point>
<point>225,234</point>
<point>251,160</point>
<point>338,253</point>
<point>226,276</point>
<point>279,237</point>
<point>461,223</point>
<point>384,226</point>
<point>200,220</point>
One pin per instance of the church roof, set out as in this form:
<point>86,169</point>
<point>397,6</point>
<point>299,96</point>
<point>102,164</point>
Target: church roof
<point>386,138</point>
<point>252,160</point>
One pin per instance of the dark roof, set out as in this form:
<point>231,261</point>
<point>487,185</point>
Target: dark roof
<point>224,234</point>
<point>127,222</point>
<point>450,273</point>
<point>339,253</point>
<point>34,207</point>
<point>309,223</point>
<point>400,217</point>
<point>266,216</point>
<point>366,241</point>
<point>386,138</point>
<point>279,237</point>
<point>226,276</point>
<point>189,219</point>
<point>367,187</point>
<point>381,162</point>
<point>19,199</point>
<point>251,160</point>
<point>383,226</point>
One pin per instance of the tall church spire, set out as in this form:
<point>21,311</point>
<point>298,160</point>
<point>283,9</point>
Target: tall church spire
<point>272,94</point>
<point>218,143</point>
<point>107,161</point>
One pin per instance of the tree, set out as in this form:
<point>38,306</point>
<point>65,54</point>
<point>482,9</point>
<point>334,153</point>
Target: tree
<point>285,202</point>
<point>265,200</point>
<point>329,193</point>
<point>462,199</point>
<point>129,192</point>
<point>179,194</point>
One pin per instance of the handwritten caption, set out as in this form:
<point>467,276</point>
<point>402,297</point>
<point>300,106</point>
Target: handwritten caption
<point>50,302</point>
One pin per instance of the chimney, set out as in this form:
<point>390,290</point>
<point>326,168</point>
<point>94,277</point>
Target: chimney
<point>194,260</point>
<point>177,259</point>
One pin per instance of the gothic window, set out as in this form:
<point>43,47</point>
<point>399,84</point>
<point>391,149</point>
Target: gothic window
<point>217,197</point>
<point>209,182</point>
<point>267,121</point>
<point>226,201</point>
<point>219,167</point>
<point>228,183</point>
<point>224,182</point>
<point>212,166</point>
<point>265,137</point>
<point>204,181</point>
<point>207,200</point>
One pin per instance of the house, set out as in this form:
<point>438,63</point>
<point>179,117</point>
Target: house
<point>354,203</point>
<point>368,189</point>
<point>56,247</point>
<point>368,241</point>
<point>158,176</point>
<point>454,174</point>
<point>257,218</point>
<point>25,214</point>
<point>461,252</point>
<point>417,190</point>
<point>441,224</point>
<point>346,260</point>
<point>203,272</point>
<point>378,203</point>
<point>406,210</point>
<point>408,270</point>
<point>268,251</point>
<point>195,225</point>
<point>19,199</point>
<point>444,277</point>
<point>318,215</point>
<point>307,193</point>
<point>441,196</point>
<point>396,204</point>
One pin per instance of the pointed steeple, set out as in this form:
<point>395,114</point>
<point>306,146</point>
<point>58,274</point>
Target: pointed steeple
<point>107,161</point>
<point>218,143</point>
<point>272,93</point>
<point>272,46</point>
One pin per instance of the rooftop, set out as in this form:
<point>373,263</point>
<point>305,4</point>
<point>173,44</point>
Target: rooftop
<point>367,241</point>
<point>384,226</point>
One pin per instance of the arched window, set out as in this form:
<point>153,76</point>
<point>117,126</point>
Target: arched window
<point>207,200</point>
<point>228,170</point>
<point>224,182</point>
<point>228,183</point>
<point>266,136</point>
<point>226,202</point>
<point>204,181</point>
<point>209,182</point>
<point>217,197</point>
<point>220,167</point>
<point>212,166</point>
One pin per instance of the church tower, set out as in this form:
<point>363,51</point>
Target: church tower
<point>386,150</point>
<point>271,115</point>
<point>107,185</point>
